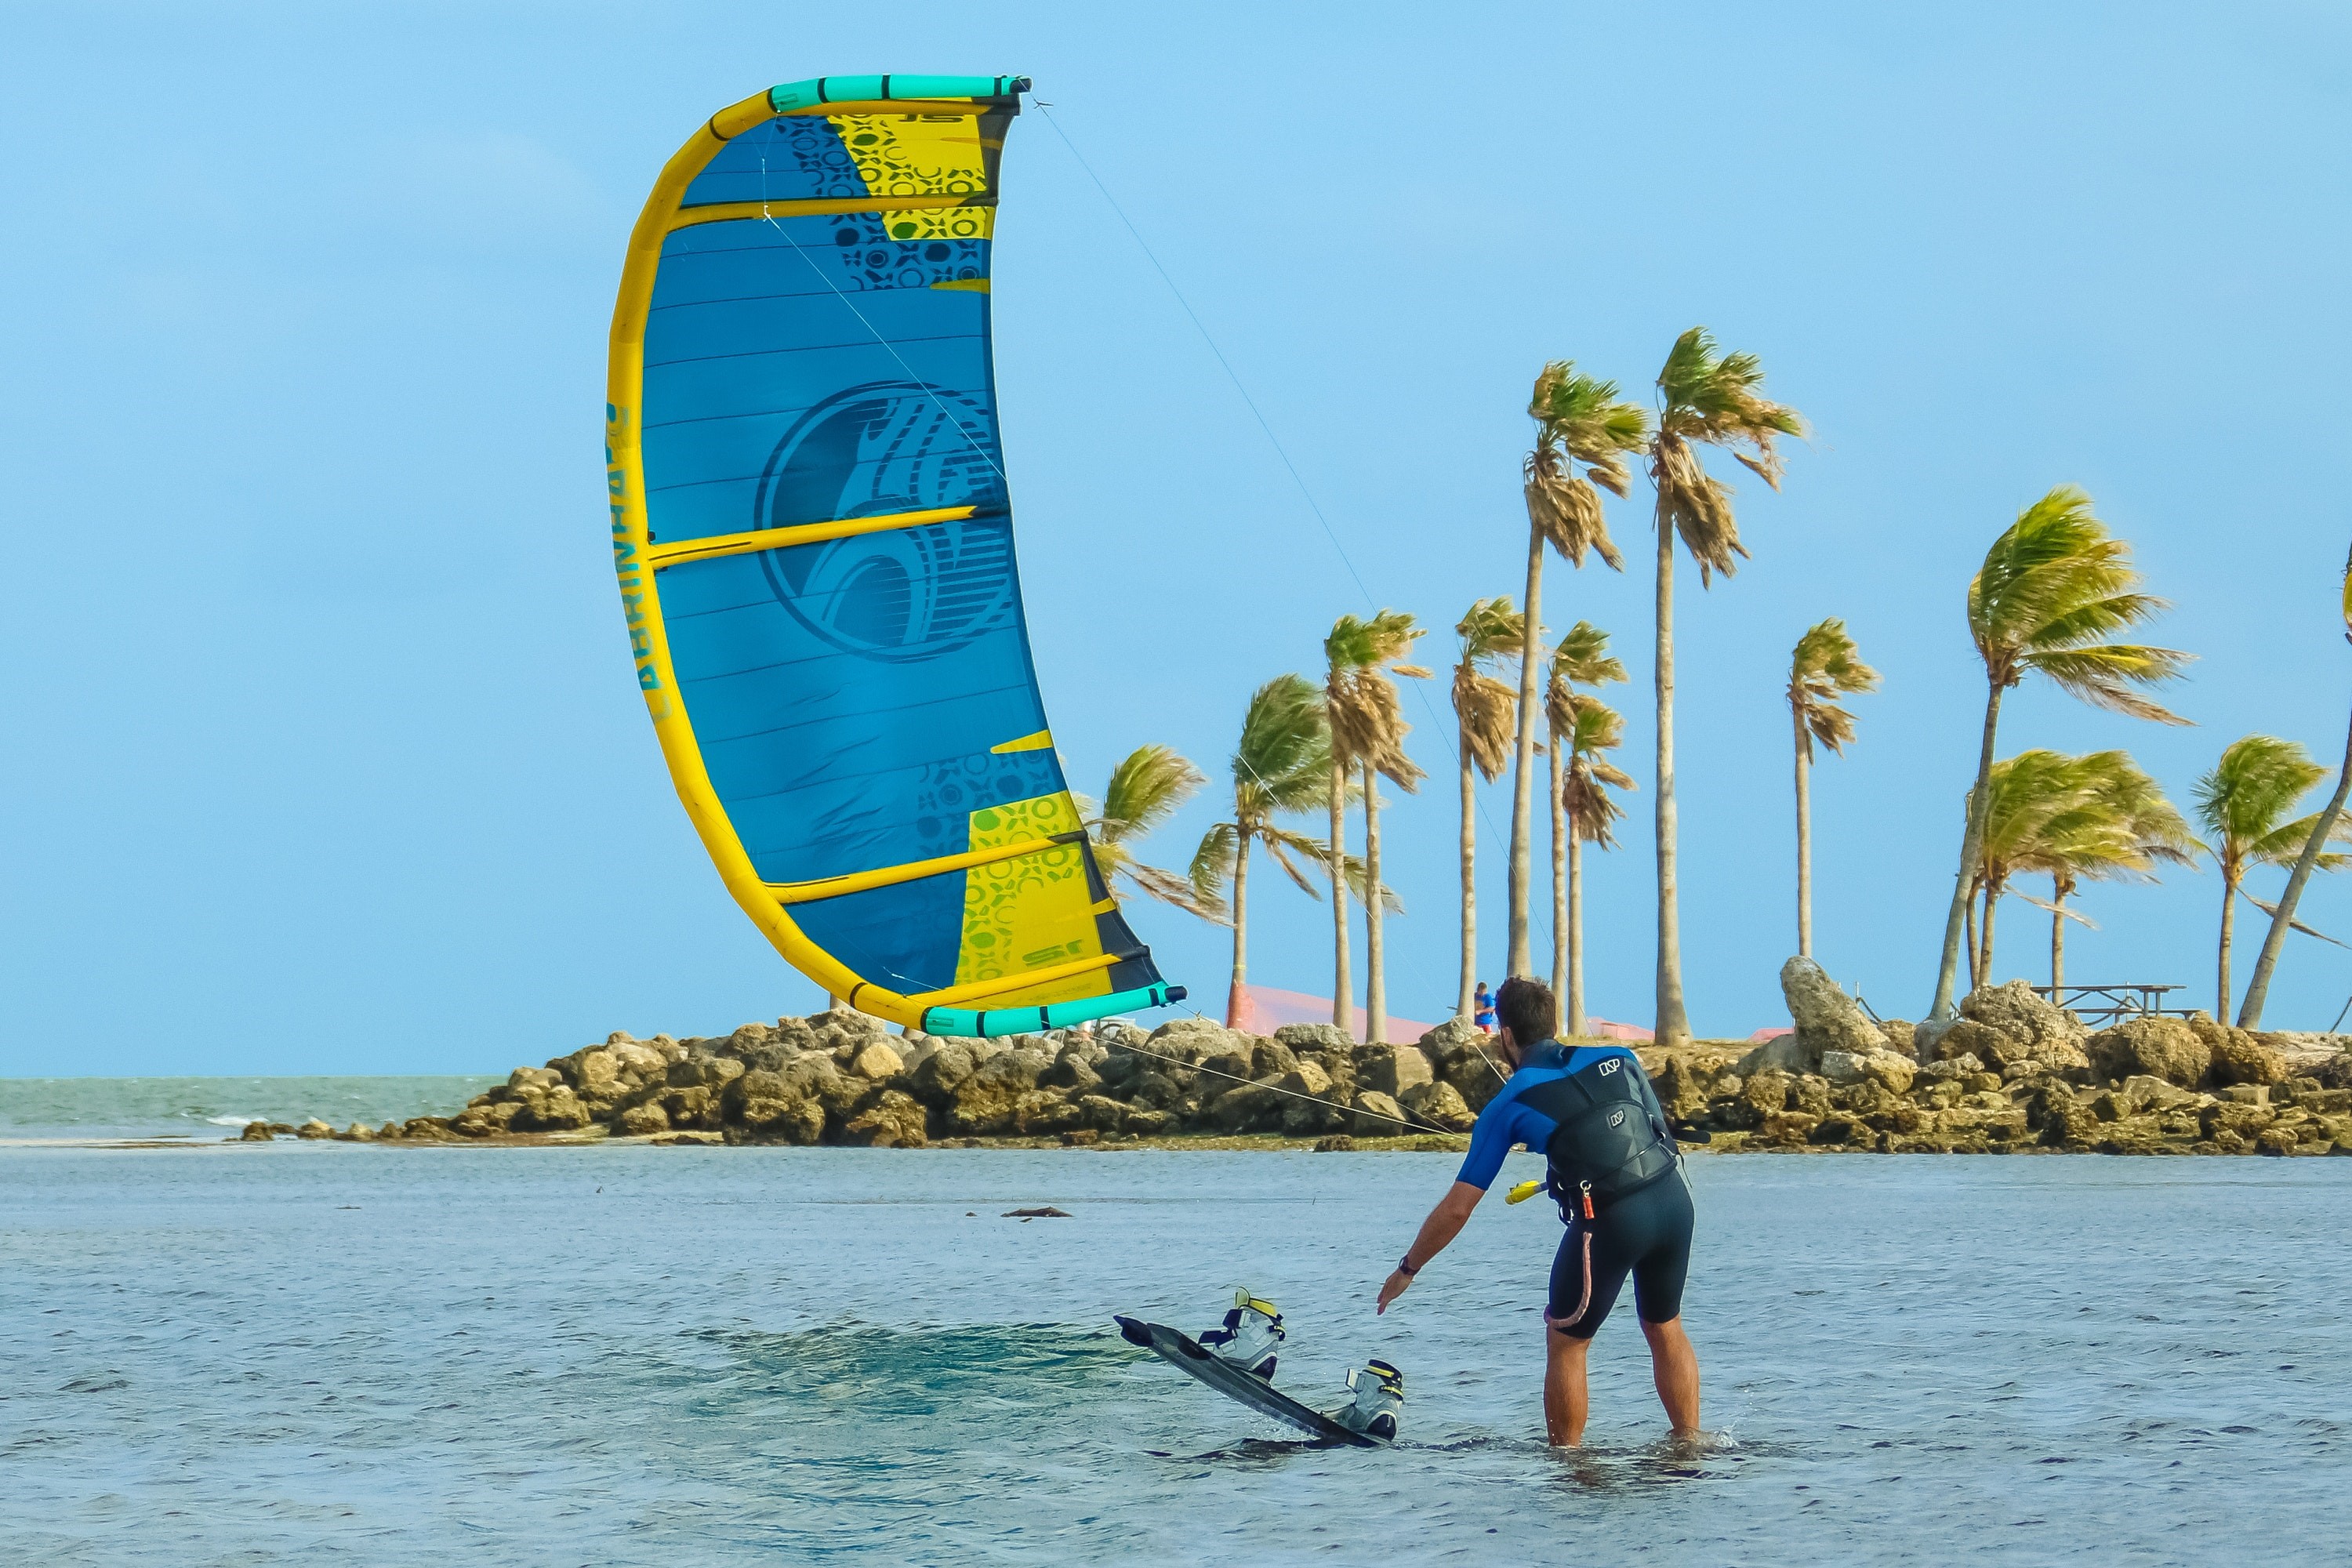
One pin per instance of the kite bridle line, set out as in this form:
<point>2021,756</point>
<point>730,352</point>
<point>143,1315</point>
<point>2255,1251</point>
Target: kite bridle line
<point>1263,423</point>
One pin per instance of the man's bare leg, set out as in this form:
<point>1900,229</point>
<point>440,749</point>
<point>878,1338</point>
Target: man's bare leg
<point>1565,1401</point>
<point>1675,1366</point>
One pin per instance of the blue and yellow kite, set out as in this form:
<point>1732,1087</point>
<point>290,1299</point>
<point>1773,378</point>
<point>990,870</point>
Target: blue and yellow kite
<point>814,545</point>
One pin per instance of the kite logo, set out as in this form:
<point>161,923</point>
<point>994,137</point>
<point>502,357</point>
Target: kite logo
<point>904,594</point>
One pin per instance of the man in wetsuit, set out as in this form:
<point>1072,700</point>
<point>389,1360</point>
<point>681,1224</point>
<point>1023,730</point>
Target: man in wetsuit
<point>1618,1179</point>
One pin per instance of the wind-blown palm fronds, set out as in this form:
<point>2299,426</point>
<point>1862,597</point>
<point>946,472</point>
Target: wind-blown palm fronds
<point>1825,667</point>
<point>2117,826</point>
<point>2051,588</point>
<point>1281,766</point>
<point>1368,730</point>
<point>2240,803</point>
<point>1582,731</point>
<point>1584,433</point>
<point>1705,398</point>
<point>1146,789</point>
<point>1486,713</point>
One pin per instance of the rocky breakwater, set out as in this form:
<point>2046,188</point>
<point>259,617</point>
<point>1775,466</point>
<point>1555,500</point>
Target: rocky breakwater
<point>841,1077</point>
<point>2012,1073</point>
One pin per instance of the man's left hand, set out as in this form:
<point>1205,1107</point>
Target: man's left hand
<point>1395,1284</point>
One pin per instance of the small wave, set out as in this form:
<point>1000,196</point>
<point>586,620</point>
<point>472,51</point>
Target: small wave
<point>233,1120</point>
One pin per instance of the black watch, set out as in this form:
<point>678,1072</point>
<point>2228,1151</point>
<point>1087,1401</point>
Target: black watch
<point>1405,1268</point>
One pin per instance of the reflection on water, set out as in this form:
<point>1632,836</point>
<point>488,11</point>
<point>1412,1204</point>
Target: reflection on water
<point>625,1356</point>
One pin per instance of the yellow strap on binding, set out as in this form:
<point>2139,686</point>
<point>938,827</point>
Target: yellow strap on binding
<point>1524,1190</point>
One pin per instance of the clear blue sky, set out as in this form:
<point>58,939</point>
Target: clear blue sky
<point>325,753</point>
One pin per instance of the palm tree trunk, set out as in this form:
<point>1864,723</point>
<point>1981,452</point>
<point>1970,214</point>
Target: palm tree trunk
<point>2258,987</point>
<point>1462,1006</point>
<point>2229,916</point>
<point>1947,970</point>
<point>1976,951</point>
<point>1518,958</point>
<point>1577,1022</point>
<point>1673,1026</point>
<point>2057,943</point>
<point>1558,878</point>
<point>1804,837</point>
<point>1992,902</point>
<point>1376,989</point>
<point>1343,988</point>
<point>1237,1007</point>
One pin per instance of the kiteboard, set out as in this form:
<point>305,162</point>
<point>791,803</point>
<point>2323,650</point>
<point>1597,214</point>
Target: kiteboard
<point>1182,1349</point>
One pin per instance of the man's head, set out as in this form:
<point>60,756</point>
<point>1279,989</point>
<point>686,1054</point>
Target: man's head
<point>1526,1014</point>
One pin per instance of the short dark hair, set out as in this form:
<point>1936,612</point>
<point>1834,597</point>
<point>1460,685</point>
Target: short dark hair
<point>1527,1008</point>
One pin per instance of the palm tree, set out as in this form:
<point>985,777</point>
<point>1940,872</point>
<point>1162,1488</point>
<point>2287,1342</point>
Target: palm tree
<point>2051,587</point>
<point>1582,659</point>
<point>1592,731</point>
<point>2239,802</point>
<point>2028,791</point>
<point>2117,824</point>
<point>1705,398</point>
<point>1365,720</point>
<point>1281,764</point>
<point>1825,667</point>
<point>2258,989</point>
<point>1146,789</point>
<point>1486,710</point>
<point>1368,728</point>
<point>1583,434</point>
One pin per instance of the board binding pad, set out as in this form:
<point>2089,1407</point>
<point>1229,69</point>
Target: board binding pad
<point>1180,1349</point>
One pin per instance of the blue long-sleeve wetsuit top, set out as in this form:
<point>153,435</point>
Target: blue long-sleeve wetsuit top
<point>1505,1121</point>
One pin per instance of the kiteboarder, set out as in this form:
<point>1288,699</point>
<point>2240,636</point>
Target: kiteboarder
<point>1618,1177</point>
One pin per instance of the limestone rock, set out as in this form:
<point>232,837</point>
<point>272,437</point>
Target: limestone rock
<point>877,1063</point>
<point>697,1107</point>
<point>1316,1037</point>
<point>1246,1108</point>
<point>2039,1032</point>
<point>703,1072</point>
<point>2158,1048</point>
<point>1310,1118</point>
<point>800,1122</point>
<point>1827,1019</point>
<point>642,1120</point>
<point>1101,1113</point>
<point>357,1133</point>
<point>1438,1104</point>
<point>1043,1111</point>
<point>1148,1124</point>
<point>1893,1069</point>
<point>314,1128</point>
<point>1899,1034</point>
<point>1962,1037</point>
<point>1843,1067</point>
<point>941,1072</point>
<point>2307,1054</point>
<point>256,1132</point>
<point>1375,1115</point>
<point>1781,1053</point>
<point>894,1120</point>
<point>1393,1069</point>
<point>2238,1057</point>
<point>1305,1078</point>
<point>1681,1088</point>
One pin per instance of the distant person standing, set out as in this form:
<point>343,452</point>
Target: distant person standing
<point>1483,1008</point>
<point>1618,1175</point>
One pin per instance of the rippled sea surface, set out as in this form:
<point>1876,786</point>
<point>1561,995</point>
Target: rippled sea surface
<point>333,1354</point>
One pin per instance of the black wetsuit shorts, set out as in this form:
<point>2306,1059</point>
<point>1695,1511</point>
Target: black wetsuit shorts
<point>1646,1234</point>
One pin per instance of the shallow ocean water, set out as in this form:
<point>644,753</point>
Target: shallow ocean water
<point>341,1353</point>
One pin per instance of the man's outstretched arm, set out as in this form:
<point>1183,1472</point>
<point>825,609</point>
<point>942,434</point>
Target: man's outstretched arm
<point>1443,1224</point>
